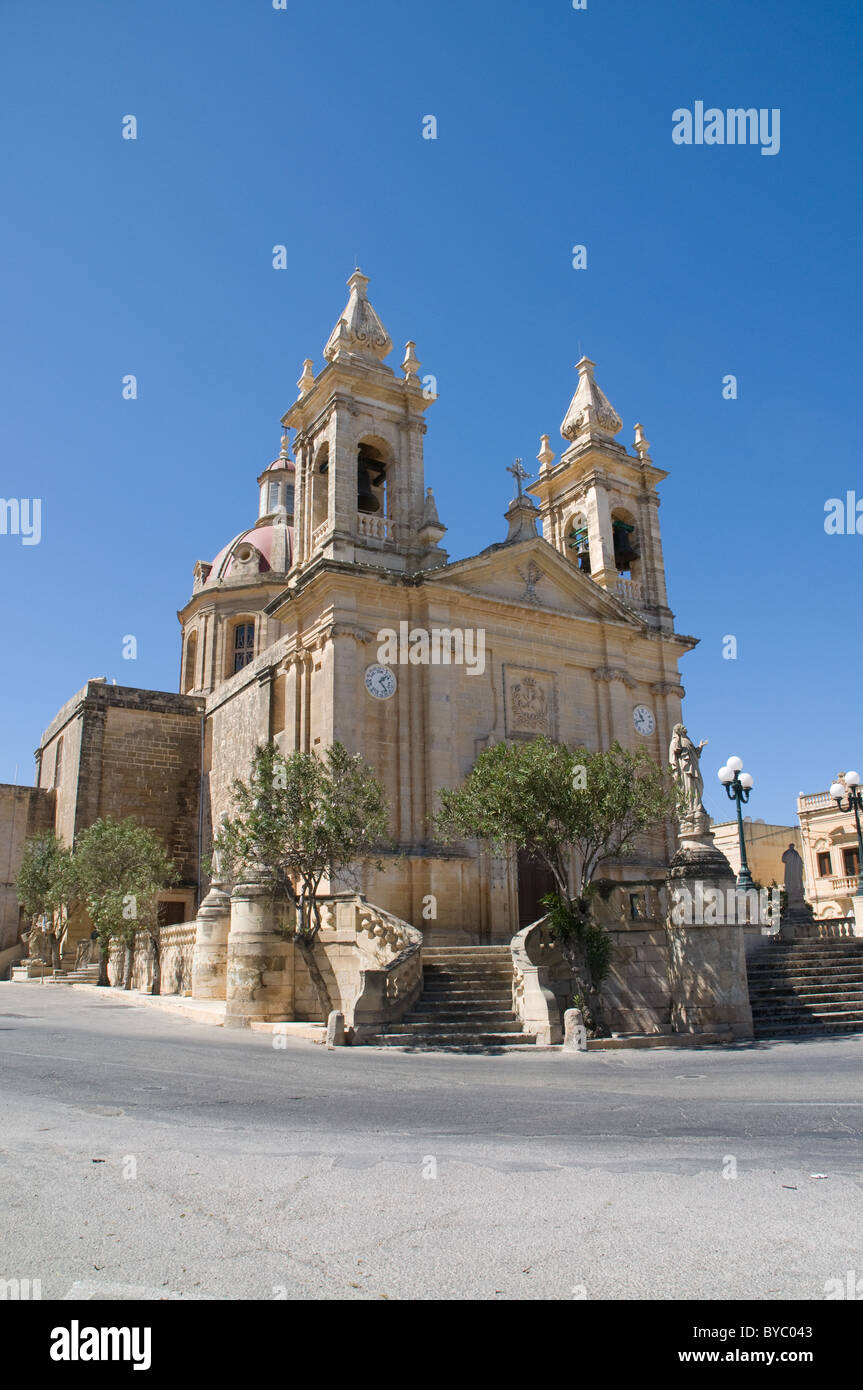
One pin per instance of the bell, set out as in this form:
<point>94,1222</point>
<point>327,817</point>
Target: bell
<point>624,550</point>
<point>366,500</point>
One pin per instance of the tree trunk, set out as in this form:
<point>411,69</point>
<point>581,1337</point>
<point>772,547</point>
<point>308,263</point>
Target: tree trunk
<point>307,951</point>
<point>103,963</point>
<point>55,951</point>
<point>128,965</point>
<point>157,967</point>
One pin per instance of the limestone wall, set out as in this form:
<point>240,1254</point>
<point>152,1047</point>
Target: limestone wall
<point>178,944</point>
<point>119,751</point>
<point>24,811</point>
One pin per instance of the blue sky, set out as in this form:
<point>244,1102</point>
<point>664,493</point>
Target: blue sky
<point>303,126</point>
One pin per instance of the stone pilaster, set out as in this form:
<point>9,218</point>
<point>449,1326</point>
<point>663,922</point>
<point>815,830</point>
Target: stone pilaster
<point>260,959</point>
<point>210,959</point>
<point>707,962</point>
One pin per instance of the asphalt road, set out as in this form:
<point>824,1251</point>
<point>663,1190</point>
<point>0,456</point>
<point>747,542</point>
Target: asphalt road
<point>147,1156</point>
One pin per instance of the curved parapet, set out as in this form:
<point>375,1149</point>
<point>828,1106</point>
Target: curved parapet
<point>537,967</point>
<point>392,981</point>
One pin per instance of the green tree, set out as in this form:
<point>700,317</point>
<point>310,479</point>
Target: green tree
<point>548,800</point>
<point>298,818</point>
<point>120,868</point>
<point>45,887</point>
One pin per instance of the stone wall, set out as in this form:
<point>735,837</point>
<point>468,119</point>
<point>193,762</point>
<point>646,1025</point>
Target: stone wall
<point>636,994</point>
<point>178,944</point>
<point>117,751</point>
<point>24,811</point>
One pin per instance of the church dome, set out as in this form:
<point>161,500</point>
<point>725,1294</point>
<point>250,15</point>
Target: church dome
<point>259,551</point>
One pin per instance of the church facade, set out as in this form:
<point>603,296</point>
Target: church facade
<point>338,615</point>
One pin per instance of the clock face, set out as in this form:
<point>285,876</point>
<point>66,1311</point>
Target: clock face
<point>380,682</point>
<point>643,720</point>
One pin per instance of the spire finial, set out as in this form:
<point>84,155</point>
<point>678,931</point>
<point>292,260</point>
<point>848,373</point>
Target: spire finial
<point>546,455</point>
<point>520,474</point>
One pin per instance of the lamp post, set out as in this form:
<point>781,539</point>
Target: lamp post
<point>738,784</point>
<point>855,803</point>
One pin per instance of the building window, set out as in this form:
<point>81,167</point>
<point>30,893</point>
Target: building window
<point>191,662</point>
<point>851,862</point>
<point>273,498</point>
<point>825,868</point>
<point>637,907</point>
<point>58,761</point>
<point>578,542</point>
<point>244,645</point>
<point>289,498</point>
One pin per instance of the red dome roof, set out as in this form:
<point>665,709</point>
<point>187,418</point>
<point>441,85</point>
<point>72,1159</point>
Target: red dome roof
<point>261,539</point>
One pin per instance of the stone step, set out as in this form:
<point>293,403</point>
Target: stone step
<point>467,1041</point>
<point>793,1030</point>
<point>466,952</point>
<point>809,972</point>
<point>480,997</point>
<point>463,1016</point>
<point>837,1014</point>
<point>825,954</point>
<point>473,977</point>
<point>464,1025</point>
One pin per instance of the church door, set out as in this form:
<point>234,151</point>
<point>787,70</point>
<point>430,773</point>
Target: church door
<point>534,881</point>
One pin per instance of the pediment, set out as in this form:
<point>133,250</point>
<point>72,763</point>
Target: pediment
<point>532,575</point>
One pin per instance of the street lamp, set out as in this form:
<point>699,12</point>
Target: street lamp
<point>738,784</point>
<point>855,801</point>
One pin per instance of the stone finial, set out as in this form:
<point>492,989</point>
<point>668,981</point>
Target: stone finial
<point>546,455</point>
<point>307,380</point>
<point>642,445</point>
<point>359,332</point>
<point>411,364</point>
<point>431,528</point>
<point>590,413</point>
<point>521,515</point>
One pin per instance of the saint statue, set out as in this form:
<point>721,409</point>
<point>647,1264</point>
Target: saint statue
<point>684,757</point>
<point>793,877</point>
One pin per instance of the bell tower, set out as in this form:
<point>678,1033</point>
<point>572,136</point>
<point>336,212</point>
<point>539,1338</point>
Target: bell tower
<point>360,496</point>
<point>599,504</point>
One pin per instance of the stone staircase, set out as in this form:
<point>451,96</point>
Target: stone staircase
<point>466,1002</point>
<point>803,988</point>
<point>87,975</point>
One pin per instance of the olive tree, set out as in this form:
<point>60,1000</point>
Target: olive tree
<point>45,889</point>
<point>120,868</point>
<point>549,800</point>
<point>300,817</point>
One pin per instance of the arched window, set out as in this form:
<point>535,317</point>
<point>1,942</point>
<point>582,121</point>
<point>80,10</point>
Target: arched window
<point>289,498</point>
<point>578,543</point>
<point>626,552</point>
<point>244,644</point>
<point>371,480</point>
<point>58,761</point>
<point>189,669</point>
<point>273,497</point>
<point>319,488</point>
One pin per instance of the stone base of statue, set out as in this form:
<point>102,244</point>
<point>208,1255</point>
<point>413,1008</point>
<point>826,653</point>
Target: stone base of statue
<point>707,960</point>
<point>798,920</point>
<point>210,958</point>
<point>260,961</point>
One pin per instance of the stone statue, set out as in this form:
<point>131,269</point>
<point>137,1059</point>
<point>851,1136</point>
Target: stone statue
<point>684,758</point>
<point>217,871</point>
<point>793,877</point>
